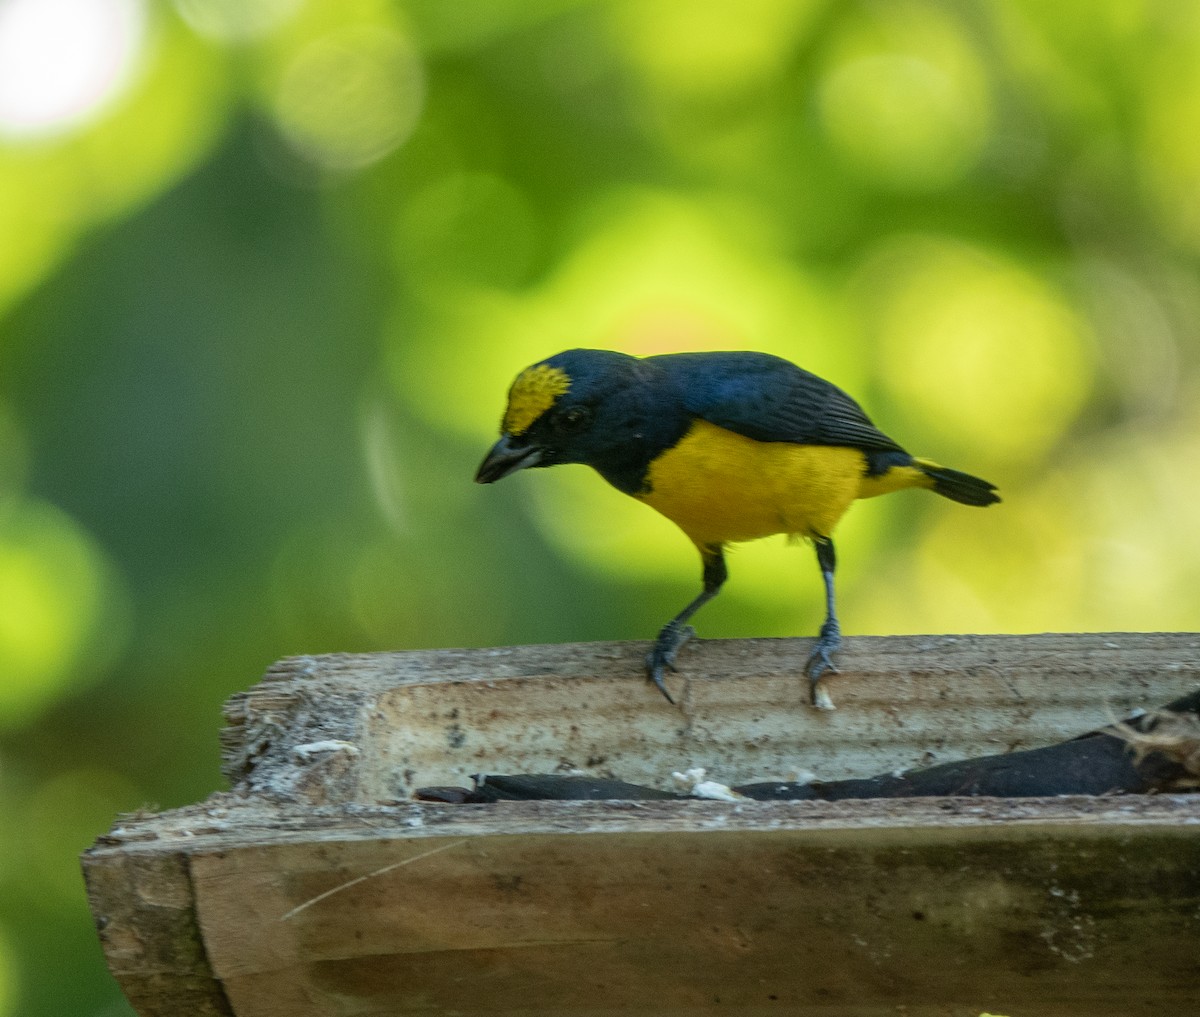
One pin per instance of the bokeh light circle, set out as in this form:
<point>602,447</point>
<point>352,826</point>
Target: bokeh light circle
<point>61,61</point>
<point>905,99</point>
<point>61,614</point>
<point>236,20</point>
<point>349,98</point>
<point>987,356</point>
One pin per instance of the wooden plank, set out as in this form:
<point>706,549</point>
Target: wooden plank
<point>1073,905</point>
<point>146,919</point>
<point>316,888</point>
<point>653,923</point>
<point>435,717</point>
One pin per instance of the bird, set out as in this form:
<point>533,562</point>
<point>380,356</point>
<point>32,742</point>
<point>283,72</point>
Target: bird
<point>730,446</point>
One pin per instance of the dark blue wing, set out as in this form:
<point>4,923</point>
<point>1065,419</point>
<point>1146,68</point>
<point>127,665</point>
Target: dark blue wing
<point>769,399</point>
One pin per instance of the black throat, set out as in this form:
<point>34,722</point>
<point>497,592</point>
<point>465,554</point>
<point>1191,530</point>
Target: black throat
<point>648,427</point>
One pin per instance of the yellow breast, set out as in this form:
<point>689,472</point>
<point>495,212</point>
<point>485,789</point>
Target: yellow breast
<point>719,486</point>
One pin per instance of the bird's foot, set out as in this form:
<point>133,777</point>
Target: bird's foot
<point>820,660</point>
<point>670,641</point>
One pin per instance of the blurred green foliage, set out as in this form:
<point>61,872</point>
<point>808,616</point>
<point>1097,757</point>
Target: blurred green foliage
<point>268,267</point>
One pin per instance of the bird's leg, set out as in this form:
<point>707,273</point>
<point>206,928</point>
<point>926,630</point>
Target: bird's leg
<point>830,639</point>
<point>677,631</point>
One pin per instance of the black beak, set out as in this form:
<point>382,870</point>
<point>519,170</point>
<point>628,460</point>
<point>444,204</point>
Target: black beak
<point>506,457</point>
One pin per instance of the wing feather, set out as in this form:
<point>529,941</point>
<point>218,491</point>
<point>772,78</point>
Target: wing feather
<point>769,399</point>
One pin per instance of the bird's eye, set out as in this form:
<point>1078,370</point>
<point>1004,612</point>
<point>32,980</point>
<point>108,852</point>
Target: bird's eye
<point>574,419</point>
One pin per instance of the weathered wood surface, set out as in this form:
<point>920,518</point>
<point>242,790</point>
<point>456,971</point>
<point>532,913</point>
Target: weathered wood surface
<point>435,717</point>
<point>315,888</point>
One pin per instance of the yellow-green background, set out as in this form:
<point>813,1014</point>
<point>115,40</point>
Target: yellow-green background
<point>259,307</point>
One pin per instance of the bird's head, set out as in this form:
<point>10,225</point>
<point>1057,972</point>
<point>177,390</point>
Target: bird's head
<point>572,408</point>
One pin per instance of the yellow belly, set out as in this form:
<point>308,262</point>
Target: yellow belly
<point>719,486</point>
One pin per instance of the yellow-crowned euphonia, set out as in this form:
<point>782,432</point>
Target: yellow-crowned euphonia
<point>728,446</point>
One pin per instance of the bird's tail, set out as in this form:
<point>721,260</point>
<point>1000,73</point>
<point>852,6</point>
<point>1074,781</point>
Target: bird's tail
<point>958,486</point>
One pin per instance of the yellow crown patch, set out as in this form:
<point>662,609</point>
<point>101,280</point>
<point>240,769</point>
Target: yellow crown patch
<point>532,394</point>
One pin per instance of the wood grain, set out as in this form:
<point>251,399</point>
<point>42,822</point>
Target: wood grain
<point>314,887</point>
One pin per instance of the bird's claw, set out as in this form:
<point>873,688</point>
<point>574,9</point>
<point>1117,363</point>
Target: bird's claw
<point>670,641</point>
<point>820,660</point>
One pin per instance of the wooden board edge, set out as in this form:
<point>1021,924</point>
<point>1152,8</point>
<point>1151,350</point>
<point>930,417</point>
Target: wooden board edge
<point>143,906</point>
